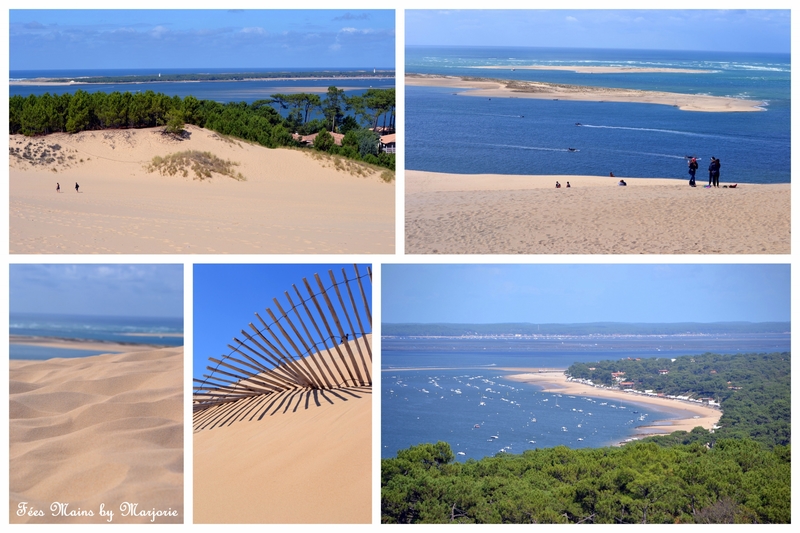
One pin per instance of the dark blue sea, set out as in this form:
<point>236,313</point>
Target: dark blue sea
<point>456,384</point>
<point>458,134</point>
<point>128,330</point>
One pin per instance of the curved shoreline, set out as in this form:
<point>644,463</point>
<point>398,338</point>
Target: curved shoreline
<point>497,88</point>
<point>707,417</point>
<point>552,380</point>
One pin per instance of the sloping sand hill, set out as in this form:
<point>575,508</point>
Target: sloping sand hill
<point>300,456</point>
<point>289,203</point>
<point>500,214</point>
<point>92,431</point>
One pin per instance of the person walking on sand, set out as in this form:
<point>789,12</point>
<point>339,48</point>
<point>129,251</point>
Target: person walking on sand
<point>58,187</point>
<point>692,169</point>
<point>76,187</point>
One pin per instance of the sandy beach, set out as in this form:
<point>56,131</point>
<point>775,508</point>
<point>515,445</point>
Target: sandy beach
<point>598,70</point>
<point>46,82</point>
<point>289,203</point>
<point>81,344</point>
<point>555,381</point>
<point>493,88</point>
<point>300,456</point>
<point>501,214</point>
<point>98,431</point>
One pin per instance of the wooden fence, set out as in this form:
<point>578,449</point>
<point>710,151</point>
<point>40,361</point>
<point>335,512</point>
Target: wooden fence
<point>318,341</point>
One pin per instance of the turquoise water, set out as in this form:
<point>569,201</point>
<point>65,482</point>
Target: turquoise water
<point>126,330</point>
<point>450,133</point>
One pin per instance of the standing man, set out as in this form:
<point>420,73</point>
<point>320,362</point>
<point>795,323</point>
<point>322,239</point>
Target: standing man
<point>716,172</point>
<point>692,169</point>
<point>711,167</point>
<point>76,187</point>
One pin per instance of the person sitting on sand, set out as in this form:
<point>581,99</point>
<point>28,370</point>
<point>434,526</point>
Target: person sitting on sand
<point>568,185</point>
<point>558,185</point>
<point>76,187</point>
<point>622,183</point>
<point>58,187</point>
<point>610,174</point>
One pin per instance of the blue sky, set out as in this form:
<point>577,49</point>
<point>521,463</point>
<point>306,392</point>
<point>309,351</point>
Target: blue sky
<point>542,294</point>
<point>118,39</point>
<point>686,29</point>
<point>115,290</point>
<point>226,298</point>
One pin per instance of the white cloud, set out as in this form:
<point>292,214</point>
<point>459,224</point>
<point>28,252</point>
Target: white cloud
<point>158,31</point>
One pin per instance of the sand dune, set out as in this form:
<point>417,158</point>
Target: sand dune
<point>493,88</point>
<point>92,431</point>
<point>498,214</point>
<point>297,456</point>
<point>289,203</point>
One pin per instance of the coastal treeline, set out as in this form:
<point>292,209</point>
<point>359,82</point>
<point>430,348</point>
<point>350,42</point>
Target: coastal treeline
<point>754,390</point>
<point>355,117</point>
<point>735,481</point>
<point>740,472</point>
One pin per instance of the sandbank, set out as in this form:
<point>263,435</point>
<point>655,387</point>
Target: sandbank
<point>301,456</point>
<point>504,214</point>
<point>46,82</point>
<point>493,88</point>
<point>706,417</point>
<point>289,203</point>
<point>101,430</point>
<point>599,70</point>
<point>80,344</point>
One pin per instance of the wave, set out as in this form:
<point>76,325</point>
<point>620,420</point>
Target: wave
<point>493,115</point>
<point>538,148</point>
<point>654,154</point>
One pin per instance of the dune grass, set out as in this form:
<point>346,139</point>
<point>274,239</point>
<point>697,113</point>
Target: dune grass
<point>352,167</point>
<point>203,164</point>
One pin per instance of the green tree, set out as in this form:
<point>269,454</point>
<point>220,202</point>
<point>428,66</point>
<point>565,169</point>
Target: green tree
<point>323,141</point>
<point>333,106</point>
<point>175,121</point>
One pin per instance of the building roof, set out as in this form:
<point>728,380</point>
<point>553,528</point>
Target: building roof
<point>309,139</point>
<point>388,139</point>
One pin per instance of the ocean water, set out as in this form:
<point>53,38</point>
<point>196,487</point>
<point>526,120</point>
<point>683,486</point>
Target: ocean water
<point>473,135</point>
<point>455,384</point>
<point>129,330</point>
<point>219,91</point>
